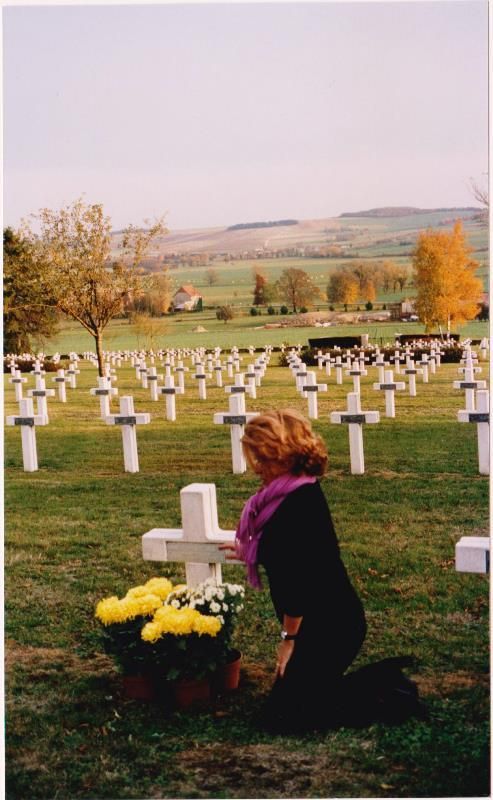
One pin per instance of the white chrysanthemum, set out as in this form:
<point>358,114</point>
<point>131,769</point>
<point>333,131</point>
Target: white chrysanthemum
<point>225,607</point>
<point>175,604</point>
<point>215,608</point>
<point>220,594</point>
<point>240,608</point>
<point>220,618</point>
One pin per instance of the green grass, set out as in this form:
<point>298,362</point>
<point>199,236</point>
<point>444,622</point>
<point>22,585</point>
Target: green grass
<point>242,331</point>
<point>73,535</point>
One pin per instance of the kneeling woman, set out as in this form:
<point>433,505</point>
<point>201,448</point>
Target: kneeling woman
<point>287,528</point>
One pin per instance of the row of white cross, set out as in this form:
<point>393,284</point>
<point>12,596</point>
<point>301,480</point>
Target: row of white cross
<point>236,416</point>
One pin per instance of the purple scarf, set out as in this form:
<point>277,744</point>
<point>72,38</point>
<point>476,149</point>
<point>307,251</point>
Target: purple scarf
<point>257,511</point>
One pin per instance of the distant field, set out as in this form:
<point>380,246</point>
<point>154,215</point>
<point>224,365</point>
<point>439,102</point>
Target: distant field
<point>177,331</point>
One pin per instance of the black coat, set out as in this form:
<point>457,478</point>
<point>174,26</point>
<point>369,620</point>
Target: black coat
<point>300,553</point>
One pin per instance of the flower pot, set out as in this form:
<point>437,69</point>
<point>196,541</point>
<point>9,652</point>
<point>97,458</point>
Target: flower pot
<point>139,687</point>
<point>187,692</point>
<point>227,676</point>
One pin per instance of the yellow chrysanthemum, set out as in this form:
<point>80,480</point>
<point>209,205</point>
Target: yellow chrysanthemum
<point>179,622</point>
<point>137,591</point>
<point>111,610</point>
<point>160,586</point>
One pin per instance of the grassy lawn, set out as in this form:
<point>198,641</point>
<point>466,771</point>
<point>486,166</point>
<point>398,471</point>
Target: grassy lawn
<point>73,535</point>
<point>242,331</point>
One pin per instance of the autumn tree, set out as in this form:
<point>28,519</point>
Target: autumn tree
<point>225,313</point>
<point>444,275</point>
<point>155,300</point>
<point>342,288</point>
<point>296,287</point>
<point>26,317</point>
<point>263,291</point>
<point>211,276</point>
<point>80,274</point>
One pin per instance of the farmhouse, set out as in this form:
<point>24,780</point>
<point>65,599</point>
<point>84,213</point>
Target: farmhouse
<point>402,310</point>
<point>186,298</point>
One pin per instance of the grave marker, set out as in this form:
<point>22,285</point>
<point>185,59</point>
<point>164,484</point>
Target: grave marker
<point>389,387</point>
<point>197,542</point>
<point>27,421</point>
<point>310,390</point>
<point>105,392</point>
<point>236,418</point>
<point>128,419</point>
<point>482,419</point>
<point>355,418</point>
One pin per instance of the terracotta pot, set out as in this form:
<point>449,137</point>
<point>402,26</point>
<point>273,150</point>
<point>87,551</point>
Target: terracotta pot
<point>187,692</point>
<point>139,687</point>
<point>227,676</point>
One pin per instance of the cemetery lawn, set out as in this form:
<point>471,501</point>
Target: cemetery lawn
<point>73,536</point>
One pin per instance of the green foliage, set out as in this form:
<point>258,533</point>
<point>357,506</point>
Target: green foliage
<point>225,313</point>
<point>253,312</point>
<point>284,310</point>
<point>271,310</point>
<point>369,305</point>
<point>27,318</point>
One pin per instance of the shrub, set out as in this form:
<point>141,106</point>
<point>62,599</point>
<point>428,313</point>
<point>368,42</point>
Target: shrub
<point>369,306</point>
<point>331,308</point>
<point>303,310</point>
<point>253,312</point>
<point>284,310</point>
<point>271,310</point>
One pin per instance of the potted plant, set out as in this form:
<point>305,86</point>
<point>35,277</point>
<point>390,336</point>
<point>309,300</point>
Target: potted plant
<point>178,637</point>
<point>122,621</point>
<point>224,601</point>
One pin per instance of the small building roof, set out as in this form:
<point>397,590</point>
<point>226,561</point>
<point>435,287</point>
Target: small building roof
<point>188,289</point>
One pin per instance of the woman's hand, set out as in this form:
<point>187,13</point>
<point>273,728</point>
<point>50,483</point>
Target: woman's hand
<point>284,653</point>
<point>232,554</point>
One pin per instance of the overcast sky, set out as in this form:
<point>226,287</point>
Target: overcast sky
<point>225,113</point>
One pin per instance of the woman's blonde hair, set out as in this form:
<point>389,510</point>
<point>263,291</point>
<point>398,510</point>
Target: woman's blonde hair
<point>283,441</point>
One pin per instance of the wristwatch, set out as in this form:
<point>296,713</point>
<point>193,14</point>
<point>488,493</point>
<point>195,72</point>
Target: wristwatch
<point>288,637</point>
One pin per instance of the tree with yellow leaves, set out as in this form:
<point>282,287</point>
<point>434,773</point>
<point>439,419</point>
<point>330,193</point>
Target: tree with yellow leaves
<point>444,275</point>
<point>342,288</point>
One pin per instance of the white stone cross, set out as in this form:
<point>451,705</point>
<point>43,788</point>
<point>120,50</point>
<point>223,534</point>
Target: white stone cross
<point>71,374</point>
<point>389,387</point>
<point>356,372</point>
<point>27,421</point>
<point>218,369</point>
<point>338,366</point>
<point>128,419</point>
<point>483,348</point>
<point>472,554</point>
<point>470,386</point>
<point>152,378</point>
<point>482,418</point>
<point>236,418</point>
<point>397,362</point>
<point>169,391</point>
<point>41,393</point>
<point>412,371</point>
<point>201,377</point>
<point>310,390</point>
<point>380,364</point>
<point>229,366</point>
<point>17,380</point>
<point>196,542</point>
<point>180,371</point>
<point>36,370</point>
<point>300,372</point>
<point>105,392</point>
<point>424,363</point>
<point>142,373</point>
<point>239,387</point>
<point>61,380</point>
<point>355,418</point>
<point>251,378</point>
